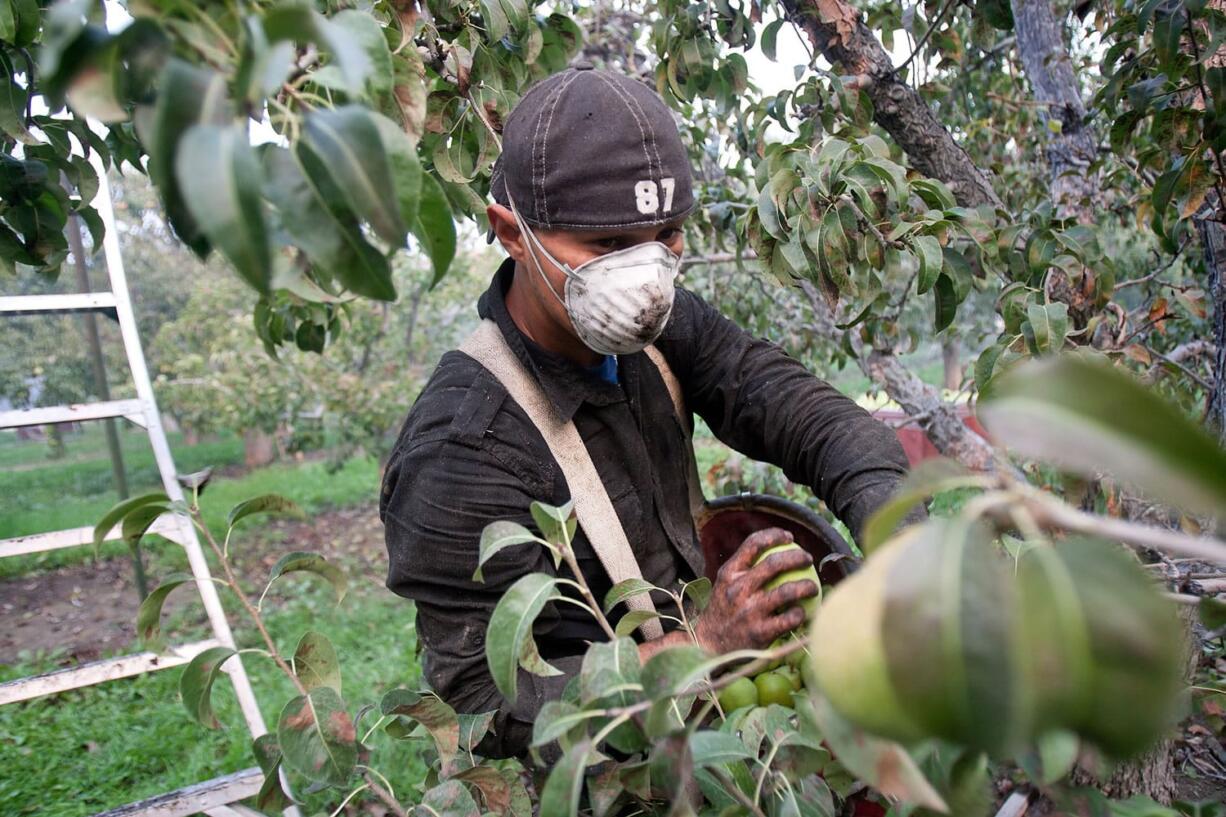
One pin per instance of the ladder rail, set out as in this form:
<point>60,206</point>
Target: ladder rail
<point>161,447</point>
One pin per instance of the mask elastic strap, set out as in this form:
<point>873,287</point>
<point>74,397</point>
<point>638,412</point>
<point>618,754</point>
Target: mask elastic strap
<point>523,228</point>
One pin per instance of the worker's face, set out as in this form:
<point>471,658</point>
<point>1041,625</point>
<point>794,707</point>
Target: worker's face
<point>571,247</point>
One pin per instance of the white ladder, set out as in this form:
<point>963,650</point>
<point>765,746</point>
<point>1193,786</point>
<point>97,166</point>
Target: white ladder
<point>211,796</point>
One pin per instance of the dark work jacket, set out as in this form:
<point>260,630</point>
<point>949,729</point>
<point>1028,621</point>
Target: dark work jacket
<point>468,456</point>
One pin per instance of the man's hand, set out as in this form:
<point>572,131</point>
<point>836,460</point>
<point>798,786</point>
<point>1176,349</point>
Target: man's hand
<point>741,615</point>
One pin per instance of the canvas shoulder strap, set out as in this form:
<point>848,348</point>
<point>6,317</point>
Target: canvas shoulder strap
<point>593,508</point>
<point>692,479</point>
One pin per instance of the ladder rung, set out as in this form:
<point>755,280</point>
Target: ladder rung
<point>75,537</point>
<point>197,798</point>
<point>58,304</point>
<point>134,410</point>
<point>98,672</point>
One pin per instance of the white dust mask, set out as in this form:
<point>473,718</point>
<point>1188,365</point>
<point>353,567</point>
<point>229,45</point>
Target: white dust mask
<point>618,302</point>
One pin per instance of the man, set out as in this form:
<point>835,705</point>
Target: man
<point>591,191</point>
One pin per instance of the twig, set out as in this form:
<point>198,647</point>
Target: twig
<point>1052,513</point>
<point>232,581</point>
<point>931,28</point>
<point>387,799</point>
<point>735,791</point>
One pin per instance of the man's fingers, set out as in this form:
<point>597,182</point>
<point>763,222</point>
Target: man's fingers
<point>754,544</point>
<point>782,624</point>
<point>785,594</point>
<point>776,563</point>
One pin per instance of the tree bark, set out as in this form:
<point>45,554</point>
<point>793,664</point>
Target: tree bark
<point>838,32</point>
<point>1072,144</point>
<point>920,401</point>
<point>1213,243</point>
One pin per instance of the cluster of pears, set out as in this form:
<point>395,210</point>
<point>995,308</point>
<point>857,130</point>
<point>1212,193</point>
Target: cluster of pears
<point>940,635</point>
<point>776,684</point>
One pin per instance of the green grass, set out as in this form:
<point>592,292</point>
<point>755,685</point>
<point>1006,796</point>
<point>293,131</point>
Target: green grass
<point>38,494</point>
<point>131,739</point>
<point>309,484</point>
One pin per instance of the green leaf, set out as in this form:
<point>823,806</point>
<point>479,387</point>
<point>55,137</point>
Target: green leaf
<point>882,764</point>
<point>557,718</point>
<point>435,228</point>
<point>625,589</point>
<point>1046,327</point>
<point>297,21</point>
<point>495,18</point>
<point>934,194</point>
<point>474,728</point>
<point>347,144</point>
<point>317,737</point>
<point>922,481</point>
<point>268,503</point>
<point>713,748</point>
<point>510,629</point>
<point>447,799</point>
<point>557,524</point>
<point>1089,417</point>
<point>1058,752</point>
<point>219,177</point>
<point>945,302</point>
<point>299,560</point>
<point>564,786</point>
<point>268,754</point>
<point>1212,613</point>
<point>406,169</point>
<point>186,96</point>
<point>315,662</point>
<point>928,249</point>
<point>315,215</point>
<point>610,673</point>
<point>631,621</point>
<point>196,684</point>
<point>439,719</point>
<point>137,523</point>
<point>121,510</point>
<point>699,592</point>
<point>149,614</point>
<point>673,670</point>
<point>769,36</point>
<point>495,537</point>
<point>263,67</point>
<point>362,30</point>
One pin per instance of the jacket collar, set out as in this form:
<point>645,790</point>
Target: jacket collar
<point>566,384</point>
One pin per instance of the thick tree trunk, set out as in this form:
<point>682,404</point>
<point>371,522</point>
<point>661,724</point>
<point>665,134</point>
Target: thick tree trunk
<point>837,31</point>
<point>1072,144</point>
<point>1213,244</point>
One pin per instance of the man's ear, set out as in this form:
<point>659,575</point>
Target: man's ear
<point>502,222</point>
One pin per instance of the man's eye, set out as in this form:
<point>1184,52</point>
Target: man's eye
<point>668,235</point>
<point>607,243</point>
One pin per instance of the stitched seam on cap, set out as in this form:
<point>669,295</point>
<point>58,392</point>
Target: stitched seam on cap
<point>630,100</point>
<point>537,187</point>
<point>564,85</point>
<point>637,121</point>
<point>540,115</point>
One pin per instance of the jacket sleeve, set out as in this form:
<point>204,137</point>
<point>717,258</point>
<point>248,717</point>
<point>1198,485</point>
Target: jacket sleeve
<point>768,406</point>
<point>437,498</point>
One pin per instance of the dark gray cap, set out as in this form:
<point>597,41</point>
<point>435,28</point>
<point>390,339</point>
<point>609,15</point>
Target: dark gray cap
<point>588,149</point>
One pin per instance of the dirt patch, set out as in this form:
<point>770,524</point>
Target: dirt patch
<point>86,611</point>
